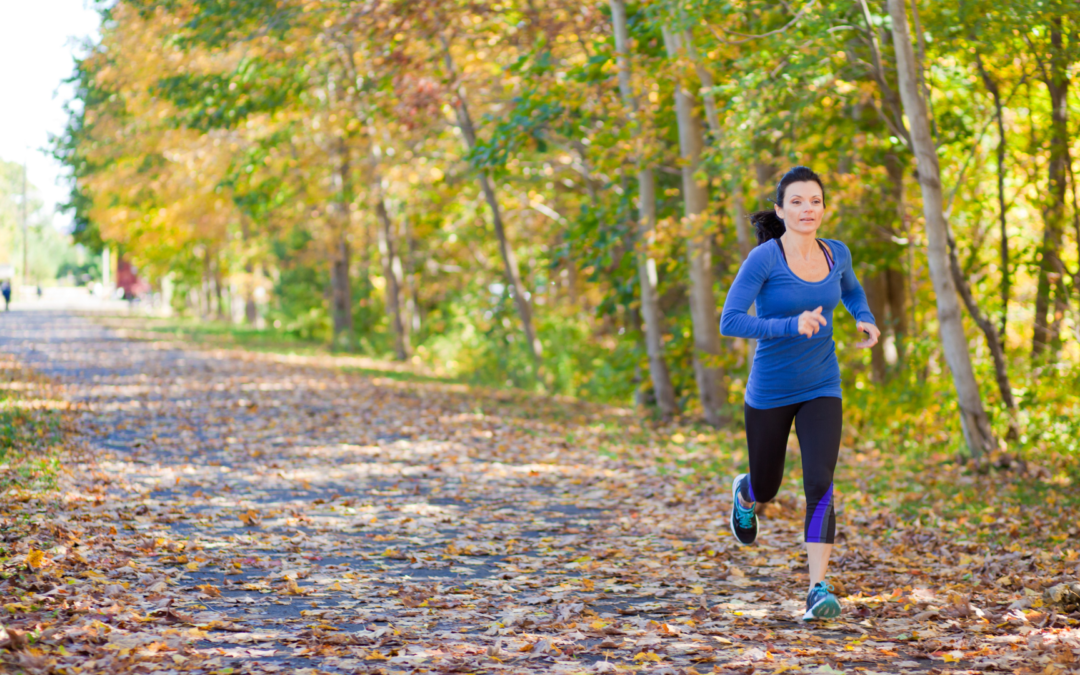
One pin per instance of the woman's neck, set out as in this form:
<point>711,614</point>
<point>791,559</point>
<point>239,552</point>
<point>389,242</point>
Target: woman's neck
<point>799,244</point>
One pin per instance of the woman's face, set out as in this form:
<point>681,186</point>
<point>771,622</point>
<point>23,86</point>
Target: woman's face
<point>804,205</point>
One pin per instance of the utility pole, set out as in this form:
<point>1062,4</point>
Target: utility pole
<point>25,230</point>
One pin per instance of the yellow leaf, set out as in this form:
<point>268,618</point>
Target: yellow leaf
<point>293,588</point>
<point>648,656</point>
<point>587,584</point>
<point>193,566</point>
<point>697,590</point>
<point>598,624</point>
<point>35,559</point>
<point>953,656</point>
<point>375,656</point>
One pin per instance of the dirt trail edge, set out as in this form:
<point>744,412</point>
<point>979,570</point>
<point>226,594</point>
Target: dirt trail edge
<point>245,515</point>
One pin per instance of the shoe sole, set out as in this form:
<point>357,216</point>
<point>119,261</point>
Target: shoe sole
<point>731,518</point>
<point>826,608</point>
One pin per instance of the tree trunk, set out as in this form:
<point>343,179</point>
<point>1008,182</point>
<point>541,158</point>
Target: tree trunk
<point>976,425</point>
<point>1006,275</point>
<point>219,295</point>
<point>207,287</point>
<point>877,298</point>
<point>896,281</point>
<point>706,326</point>
<point>251,310</point>
<point>340,216</point>
<point>647,278</point>
<point>885,288</point>
<point>746,244</point>
<point>1047,333</point>
<point>412,276</point>
<point>392,272</point>
<point>510,265</point>
<point>1001,370</point>
<point>896,286</point>
<point>738,213</point>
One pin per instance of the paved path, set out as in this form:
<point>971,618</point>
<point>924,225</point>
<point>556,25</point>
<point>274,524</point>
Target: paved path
<point>303,517</point>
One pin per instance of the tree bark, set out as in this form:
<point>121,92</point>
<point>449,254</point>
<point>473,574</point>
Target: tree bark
<point>1006,275</point>
<point>976,424</point>
<point>738,212</point>
<point>993,341</point>
<point>411,275</point>
<point>392,272</point>
<point>510,265</point>
<point>896,278</point>
<point>218,291</point>
<point>1047,333</point>
<point>706,326</point>
<point>886,288</point>
<point>646,267</point>
<point>340,215</point>
<point>877,298</point>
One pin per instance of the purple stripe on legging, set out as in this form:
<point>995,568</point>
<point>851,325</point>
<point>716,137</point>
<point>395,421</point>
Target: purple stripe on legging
<point>818,529</point>
<point>750,488</point>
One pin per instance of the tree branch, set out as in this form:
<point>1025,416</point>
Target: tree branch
<point>748,37</point>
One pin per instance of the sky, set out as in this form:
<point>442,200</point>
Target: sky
<point>38,41</point>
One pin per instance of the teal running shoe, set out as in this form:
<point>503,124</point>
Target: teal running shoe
<point>743,519</point>
<point>821,603</point>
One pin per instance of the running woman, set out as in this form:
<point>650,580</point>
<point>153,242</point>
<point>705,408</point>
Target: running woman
<point>796,281</point>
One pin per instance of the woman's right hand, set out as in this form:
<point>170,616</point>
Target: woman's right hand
<point>811,322</point>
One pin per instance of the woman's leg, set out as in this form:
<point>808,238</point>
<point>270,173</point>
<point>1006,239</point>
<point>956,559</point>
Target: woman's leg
<point>818,424</point>
<point>766,442</point>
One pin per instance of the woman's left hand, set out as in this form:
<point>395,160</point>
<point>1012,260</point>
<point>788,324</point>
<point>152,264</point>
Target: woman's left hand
<point>872,334</point>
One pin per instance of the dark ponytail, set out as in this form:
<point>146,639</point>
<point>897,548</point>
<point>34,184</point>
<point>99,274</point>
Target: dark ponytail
<point>767,224</point>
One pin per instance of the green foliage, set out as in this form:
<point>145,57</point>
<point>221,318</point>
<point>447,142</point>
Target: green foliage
<point>265,155</point>
<point>224,100</point>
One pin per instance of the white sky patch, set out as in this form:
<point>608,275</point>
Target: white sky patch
<point>39,40</point>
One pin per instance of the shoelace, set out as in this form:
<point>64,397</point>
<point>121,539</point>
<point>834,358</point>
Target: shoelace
<point>744,516</point>
<point>821,587</point>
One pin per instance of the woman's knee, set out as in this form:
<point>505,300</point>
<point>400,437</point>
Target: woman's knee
<point>766,493</point>
<point>815,491</point>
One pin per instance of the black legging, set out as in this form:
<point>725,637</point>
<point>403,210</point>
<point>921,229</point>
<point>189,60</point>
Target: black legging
<point>818,423</point>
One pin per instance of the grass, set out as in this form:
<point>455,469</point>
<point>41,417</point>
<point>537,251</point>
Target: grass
<point>219,334</point>
<point>31,430</point>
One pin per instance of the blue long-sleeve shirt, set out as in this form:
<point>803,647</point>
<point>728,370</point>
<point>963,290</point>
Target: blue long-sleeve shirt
<point>788,367</point>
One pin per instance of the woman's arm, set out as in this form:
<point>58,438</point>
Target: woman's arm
<point>734,320</point>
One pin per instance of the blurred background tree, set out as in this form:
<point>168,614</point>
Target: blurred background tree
<point>552,195</point>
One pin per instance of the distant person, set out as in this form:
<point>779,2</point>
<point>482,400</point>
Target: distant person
<point>5,288</point>
<point>796,280</point>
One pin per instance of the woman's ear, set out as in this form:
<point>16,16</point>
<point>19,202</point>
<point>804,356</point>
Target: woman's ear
<point>779,211</point>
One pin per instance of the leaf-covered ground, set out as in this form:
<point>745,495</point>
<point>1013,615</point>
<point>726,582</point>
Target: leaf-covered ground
<point>229,511</point>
